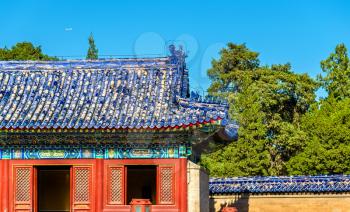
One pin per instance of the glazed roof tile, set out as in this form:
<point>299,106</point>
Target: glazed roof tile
<point>280,184</point>
<point>102,94</point>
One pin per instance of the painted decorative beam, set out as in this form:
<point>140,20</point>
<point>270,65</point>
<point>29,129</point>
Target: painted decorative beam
<point>121,151</point>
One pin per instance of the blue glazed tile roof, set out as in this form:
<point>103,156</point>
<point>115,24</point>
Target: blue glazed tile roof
<point>293,184</point>
<point>101,94</point>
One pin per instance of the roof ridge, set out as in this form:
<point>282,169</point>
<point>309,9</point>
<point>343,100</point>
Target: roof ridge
<point>87,60</point>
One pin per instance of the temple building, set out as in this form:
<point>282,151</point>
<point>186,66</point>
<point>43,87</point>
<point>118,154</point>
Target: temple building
<point>84,135</point>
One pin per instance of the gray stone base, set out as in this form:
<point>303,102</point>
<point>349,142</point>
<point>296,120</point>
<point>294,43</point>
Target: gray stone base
<point>198,189</point>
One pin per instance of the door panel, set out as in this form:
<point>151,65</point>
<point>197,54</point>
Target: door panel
<point>166,185</point>
<point>23,188</point>
<point>82,188</point>
<point>115,185</point>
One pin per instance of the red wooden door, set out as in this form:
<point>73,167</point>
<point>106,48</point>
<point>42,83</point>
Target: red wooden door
<point>115,186</point>
<point>23,180</point>
<point>166,185</point>
<point>82,187</point>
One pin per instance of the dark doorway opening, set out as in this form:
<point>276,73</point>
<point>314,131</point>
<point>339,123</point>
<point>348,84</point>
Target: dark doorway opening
<point>53,188</point>
<point>141,183</point>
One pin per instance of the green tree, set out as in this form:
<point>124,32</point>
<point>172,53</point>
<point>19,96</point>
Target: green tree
<point>24,51</point>
<point>267,102</point>
<point>327,124</point>
<point>92,53</point>
<point>337,69</point>
<point>235,59</point>
<point>328,148</point>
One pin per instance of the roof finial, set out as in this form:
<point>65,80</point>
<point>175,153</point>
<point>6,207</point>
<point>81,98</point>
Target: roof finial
<point>180,53</point>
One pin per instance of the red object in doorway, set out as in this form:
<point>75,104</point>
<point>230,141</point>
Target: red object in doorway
<point>140,205</point>
<point>229,209</point>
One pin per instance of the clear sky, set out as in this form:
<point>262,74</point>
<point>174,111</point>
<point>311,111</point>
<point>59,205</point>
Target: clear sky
<point>302,32</point>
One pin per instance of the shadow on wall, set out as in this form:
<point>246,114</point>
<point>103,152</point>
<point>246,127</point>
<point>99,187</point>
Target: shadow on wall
<point>241,202</point>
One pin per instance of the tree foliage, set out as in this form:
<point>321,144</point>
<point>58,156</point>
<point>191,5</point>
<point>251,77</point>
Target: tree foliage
<point>268,103</point>
<point>327,125</point>
<point>24,51</point>
<point>282,130</point>
<point>337,69</point>
<point>92,53</point>
<point>235,59</point>
<point>327,149</point>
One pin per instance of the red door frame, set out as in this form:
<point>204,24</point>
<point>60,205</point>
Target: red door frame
<point>179,187</point>
<point>35,187</point>
<point>4,185</point>
<point>98,177</point>
<point>36,163</point>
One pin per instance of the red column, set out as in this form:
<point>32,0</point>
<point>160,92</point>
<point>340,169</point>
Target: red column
<point>183,180</point>
<point>99,185</point>
<point>5,185</point>
<point>1,171</point>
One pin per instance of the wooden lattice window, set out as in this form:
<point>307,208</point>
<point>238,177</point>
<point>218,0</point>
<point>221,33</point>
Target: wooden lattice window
<point>23,181</point>
<point>115,185</point>
<point>82,188</point>
<point>23,185</point>
<point>166,185</point>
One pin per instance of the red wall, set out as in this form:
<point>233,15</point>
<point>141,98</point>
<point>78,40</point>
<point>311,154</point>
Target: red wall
<point>95,175</point>
<point>4,185</point>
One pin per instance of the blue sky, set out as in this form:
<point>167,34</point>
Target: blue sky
<point>300,32</point>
